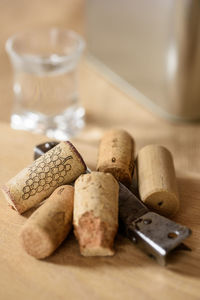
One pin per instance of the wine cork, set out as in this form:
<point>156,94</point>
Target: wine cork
<point>60,165</point>
<point>157,179</point>
<point>96,213</point>
<point>116,155</point>
<point>49,225</point>
<point>43,148</point>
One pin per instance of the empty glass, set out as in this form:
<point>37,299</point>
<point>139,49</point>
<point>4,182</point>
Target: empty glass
<point>45,82</point>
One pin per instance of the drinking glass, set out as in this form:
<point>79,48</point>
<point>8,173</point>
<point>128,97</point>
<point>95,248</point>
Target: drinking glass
<point>46,98</point>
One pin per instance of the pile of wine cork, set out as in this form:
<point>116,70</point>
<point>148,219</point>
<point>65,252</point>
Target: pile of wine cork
<point>69,196</point>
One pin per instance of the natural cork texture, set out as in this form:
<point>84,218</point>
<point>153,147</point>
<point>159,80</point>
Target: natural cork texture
<point>49,225</point>
<point>60,165</point>
<point>96,213</point>
<point>157,180</point>
<point>116,155</point>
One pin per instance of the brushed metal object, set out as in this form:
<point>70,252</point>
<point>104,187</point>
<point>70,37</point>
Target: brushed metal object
<point>156,235</point>
<point>151,49</point>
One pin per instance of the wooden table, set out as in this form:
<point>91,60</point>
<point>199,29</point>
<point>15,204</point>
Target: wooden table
<point>130,274</point>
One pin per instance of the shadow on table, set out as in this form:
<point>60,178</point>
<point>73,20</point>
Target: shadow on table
<point>189,215</point>
<point>128,255</point>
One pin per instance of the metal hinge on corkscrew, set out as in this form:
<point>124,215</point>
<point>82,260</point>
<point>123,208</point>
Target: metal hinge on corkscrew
<point>156,235</point>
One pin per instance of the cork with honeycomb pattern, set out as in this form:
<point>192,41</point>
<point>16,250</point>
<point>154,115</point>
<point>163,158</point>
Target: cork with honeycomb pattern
<point>61,165</point>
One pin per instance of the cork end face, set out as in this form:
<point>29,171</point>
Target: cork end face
<point>9,199</point>
<point>95,236</point>
<point>77,154</point>
<point>36,242</point>
<point>164,203</point>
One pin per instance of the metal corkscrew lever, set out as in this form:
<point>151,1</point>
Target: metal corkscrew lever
<point>155,234</point>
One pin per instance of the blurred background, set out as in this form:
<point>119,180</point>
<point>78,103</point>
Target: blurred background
<point>19,15</point>
<point>141,69</point>
<point>154,49</point>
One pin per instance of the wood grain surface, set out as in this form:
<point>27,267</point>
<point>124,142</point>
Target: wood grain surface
<point>130,274</point>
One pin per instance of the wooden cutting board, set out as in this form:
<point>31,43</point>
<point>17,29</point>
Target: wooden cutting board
<point>130,274</point>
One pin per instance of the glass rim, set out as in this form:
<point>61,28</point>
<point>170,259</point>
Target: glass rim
<point>9,47</point>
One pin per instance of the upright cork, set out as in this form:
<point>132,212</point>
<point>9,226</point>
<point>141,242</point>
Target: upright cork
<point>116,155</point>
<point>96,213</point>
<point>60,165</point>
<point>49,225</point>
<point>157,179</point>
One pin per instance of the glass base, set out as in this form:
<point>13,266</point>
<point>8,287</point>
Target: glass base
<point>60,127</point>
